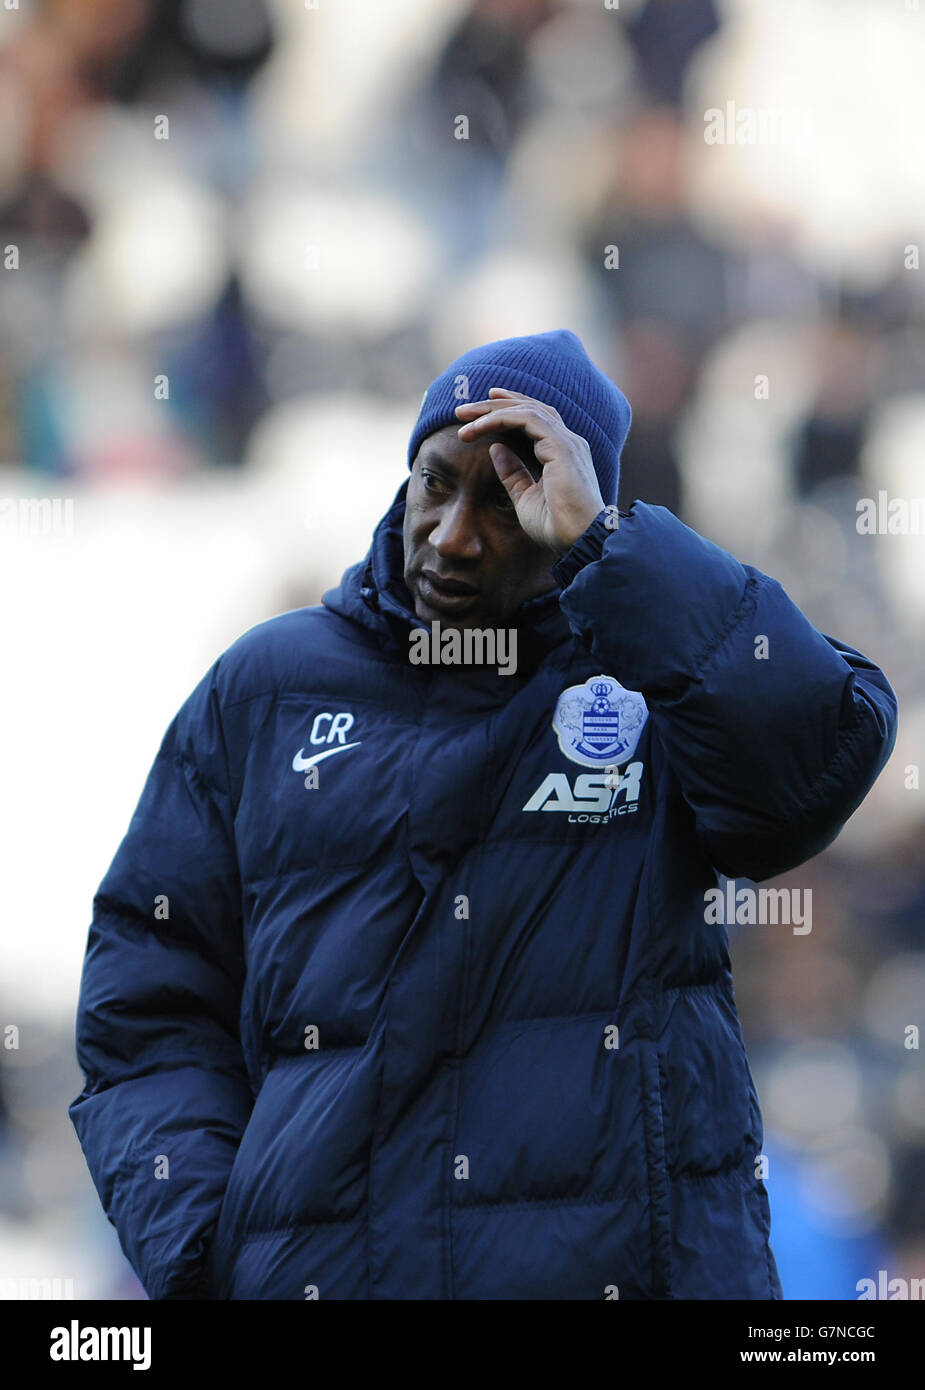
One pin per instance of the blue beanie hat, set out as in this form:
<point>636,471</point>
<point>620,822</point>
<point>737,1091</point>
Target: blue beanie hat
<point>552,367</point>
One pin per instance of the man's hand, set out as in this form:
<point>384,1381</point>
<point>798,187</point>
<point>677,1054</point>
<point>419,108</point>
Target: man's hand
<point>555,510</point>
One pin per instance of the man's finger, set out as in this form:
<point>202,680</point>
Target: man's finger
<point>512,471</point>
<point>540,405</point>
<point>491,416</point>
<point>516,397</point>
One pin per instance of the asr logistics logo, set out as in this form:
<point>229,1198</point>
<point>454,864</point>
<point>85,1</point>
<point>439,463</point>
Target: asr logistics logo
<point>593,798</point>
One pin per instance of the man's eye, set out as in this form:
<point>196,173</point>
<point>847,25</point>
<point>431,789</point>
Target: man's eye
<point>426,477</point>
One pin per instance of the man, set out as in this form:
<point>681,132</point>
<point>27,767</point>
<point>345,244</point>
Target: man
<point>405,982</point>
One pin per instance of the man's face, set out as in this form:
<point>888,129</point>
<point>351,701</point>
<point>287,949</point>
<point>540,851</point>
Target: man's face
<point>460,527</point>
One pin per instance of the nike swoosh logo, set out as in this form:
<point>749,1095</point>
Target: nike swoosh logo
<point>299,764</point>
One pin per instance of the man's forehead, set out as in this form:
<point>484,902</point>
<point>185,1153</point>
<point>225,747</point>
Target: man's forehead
<point>443,447</point>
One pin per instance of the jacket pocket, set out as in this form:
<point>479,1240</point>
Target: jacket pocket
<point>710,1120</point>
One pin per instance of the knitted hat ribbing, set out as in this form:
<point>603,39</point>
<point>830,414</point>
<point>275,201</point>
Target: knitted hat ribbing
<point>554,368</point>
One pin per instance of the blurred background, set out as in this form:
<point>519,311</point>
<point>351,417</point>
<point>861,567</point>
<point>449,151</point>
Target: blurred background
<point>237,240</point>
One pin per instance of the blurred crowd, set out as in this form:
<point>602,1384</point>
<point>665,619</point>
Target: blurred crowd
<point>230,225</point>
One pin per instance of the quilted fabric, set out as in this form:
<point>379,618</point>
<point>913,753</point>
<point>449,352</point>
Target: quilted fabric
<point>397,1036</point>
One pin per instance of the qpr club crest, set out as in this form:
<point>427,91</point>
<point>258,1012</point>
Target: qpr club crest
<point>600,722</point>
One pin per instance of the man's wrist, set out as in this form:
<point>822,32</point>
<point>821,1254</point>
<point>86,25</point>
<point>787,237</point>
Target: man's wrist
<point>588,547</point>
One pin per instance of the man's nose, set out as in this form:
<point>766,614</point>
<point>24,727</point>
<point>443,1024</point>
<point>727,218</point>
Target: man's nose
<point>456,534</point>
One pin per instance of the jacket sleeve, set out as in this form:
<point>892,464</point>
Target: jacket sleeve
<point>774,731</point>
<point>167,1096</point>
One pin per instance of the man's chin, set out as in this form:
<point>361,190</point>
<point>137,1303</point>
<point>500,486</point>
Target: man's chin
<point>428,615</point>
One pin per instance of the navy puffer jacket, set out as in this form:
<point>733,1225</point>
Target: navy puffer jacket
<point>391,993</point>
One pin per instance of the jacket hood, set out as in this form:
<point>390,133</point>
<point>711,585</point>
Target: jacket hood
<point>373,593</point>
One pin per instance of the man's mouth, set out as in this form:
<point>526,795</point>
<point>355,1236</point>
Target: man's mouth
<point>449,595</point>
